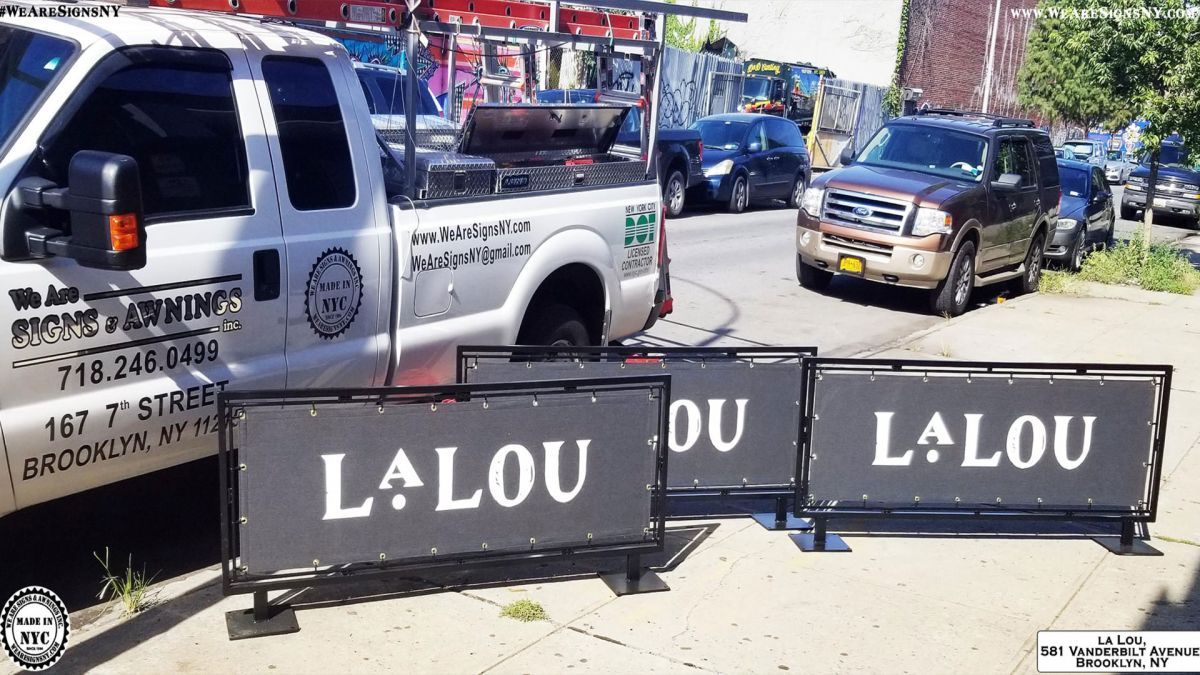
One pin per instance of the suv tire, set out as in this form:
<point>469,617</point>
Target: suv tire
<point>739,196</point>
<point>1034,259</point>
<point>555,325</point>
<point>674,194</point>
<point>812,278</point>
<point>953,293</point>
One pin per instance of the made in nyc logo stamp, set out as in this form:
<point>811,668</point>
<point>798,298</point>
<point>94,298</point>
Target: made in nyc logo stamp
<point>35,625</point>
<point>334,293</point>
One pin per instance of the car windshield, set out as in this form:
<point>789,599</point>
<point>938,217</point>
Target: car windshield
<point>927,149</point>
<point>721,134</point>
<point>385,93</point>
<point>1080,149</point>
<point>29,62</point>
<point>1074,181</point>
<point>1114,155</point>
<point>756,89</point>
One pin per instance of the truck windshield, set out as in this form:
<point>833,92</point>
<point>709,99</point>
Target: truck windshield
<point>29,62</point>
<point>756,89</point>
<point>1174,156</point>
<point>933,150</point>
<point>721,135</point>
<point>385,93</point>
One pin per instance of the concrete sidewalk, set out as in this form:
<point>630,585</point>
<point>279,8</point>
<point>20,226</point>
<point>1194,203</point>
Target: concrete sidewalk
<point>744,599</point>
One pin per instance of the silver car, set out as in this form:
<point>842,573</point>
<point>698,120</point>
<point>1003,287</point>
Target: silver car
<point>1117,168</point>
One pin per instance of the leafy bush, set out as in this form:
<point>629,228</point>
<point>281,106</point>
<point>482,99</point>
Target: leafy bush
<point>1154,267</point>
<point>524,610</point>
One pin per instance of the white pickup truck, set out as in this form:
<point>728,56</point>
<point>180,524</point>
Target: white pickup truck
<point>194,203</point>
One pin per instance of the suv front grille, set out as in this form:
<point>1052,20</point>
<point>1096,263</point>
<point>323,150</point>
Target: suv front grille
<point>857,245</point>
<point>856,209</point>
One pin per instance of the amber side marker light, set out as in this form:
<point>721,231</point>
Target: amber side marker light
<point>123,231</point>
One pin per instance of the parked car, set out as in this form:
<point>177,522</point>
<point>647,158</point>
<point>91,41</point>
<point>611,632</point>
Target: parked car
<point>942,200</point>
<point>1084,150</point>
<point>384,88</point>
<point>1177,190</point>
<point>1117,167</point>
<point>1086,219</point>
<point>679,150</point>
<point>751,157</point>
<point>1063,153</point>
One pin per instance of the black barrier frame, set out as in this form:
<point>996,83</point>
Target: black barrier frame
<point>266,619</point>
<point>821,540</point>
<point>778,518</point>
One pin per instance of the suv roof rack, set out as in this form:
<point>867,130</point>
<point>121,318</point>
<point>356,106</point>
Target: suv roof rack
<point>997,120</point>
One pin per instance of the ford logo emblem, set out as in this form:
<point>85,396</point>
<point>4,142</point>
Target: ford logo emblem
<point>862,211</point>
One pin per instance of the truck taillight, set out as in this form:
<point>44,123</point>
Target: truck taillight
<point>123,231</point>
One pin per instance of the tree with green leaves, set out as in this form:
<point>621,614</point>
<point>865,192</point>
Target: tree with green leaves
<point>681,33</point>
<point>1127,60</point>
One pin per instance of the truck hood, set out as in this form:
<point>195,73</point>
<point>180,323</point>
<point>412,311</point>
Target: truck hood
<point>1143,171</point>
<point>919,188</point>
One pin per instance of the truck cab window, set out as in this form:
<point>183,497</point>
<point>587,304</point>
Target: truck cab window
<point>312,135</point>
<point>181,126</point>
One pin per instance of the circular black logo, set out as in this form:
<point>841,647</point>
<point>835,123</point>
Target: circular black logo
<point>334,293</point>
<point>35,626</point>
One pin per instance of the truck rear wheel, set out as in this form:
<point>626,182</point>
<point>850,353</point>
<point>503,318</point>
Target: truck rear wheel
<point>952,295</point>
<point>1127,212</point>
<point>555,325</point>
<point>674,194</point>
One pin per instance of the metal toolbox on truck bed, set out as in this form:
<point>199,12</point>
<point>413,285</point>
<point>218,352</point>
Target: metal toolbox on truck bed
<point>617,171</point>
<point>448,174</point>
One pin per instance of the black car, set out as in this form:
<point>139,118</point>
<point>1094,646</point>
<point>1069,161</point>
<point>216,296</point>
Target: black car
<point>1086,218</point>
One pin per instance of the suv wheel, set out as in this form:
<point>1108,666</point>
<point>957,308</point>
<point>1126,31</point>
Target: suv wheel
<point>739,197</point>
<point>812,278</point>
<point>953,293</point>
<point>1127,212</point>
<point>1075,259</point>
<point>798,189</point>
<point>1028,283</point>
<point>673,194</point>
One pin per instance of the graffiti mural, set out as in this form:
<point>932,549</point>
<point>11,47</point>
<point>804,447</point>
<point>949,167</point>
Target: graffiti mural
<point>686,83</point>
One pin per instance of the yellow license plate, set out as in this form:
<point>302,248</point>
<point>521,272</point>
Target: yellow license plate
<point>851,265</point>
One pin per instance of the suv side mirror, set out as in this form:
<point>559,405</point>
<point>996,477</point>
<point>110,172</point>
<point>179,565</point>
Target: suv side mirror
<point>847,156</point>
<point>104,199</point>
<point>1007,181</point>
<point>754,147</point>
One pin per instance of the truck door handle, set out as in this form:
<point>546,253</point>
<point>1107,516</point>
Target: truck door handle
<point>266,274</point>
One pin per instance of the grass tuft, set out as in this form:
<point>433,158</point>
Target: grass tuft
<point>129,589</point>
<point>524,610</point>
<point>1154,267</point>
<point>1056,281</point>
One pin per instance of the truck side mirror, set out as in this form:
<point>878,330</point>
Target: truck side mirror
<point>847,156</point>
<point>104,199</point>
<point>1007,181</point>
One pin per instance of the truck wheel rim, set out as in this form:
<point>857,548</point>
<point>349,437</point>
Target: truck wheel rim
<point>675,196</point>
<point>962,285</point>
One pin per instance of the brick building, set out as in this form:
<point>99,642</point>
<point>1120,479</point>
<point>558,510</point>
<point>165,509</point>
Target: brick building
<point>967,53</point>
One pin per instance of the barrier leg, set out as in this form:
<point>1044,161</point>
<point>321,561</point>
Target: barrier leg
<point>819,539</point>
<point>781,519</point>
<point>635,578</point>
<point>262,620</point>
<point>1126,544</point>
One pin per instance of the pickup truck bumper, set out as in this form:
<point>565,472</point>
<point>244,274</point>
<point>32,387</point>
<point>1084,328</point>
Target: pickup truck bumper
<point>901,261</point>
<point>1173,205</point>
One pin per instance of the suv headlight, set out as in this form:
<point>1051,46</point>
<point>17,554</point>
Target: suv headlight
<point>1067,223</point>
<point>719,169</point>
<point>811,203</point>
<point>931,221</point>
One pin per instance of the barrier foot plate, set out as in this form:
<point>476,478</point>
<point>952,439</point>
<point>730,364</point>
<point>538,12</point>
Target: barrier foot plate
<point>241,624</point>
<point>767,520</point>
<point>1136,547</point>
<point>620,583</point>
<point>809,543</point>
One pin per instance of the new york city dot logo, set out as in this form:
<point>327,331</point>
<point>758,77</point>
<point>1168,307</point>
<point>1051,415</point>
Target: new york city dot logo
<point>35,626</point>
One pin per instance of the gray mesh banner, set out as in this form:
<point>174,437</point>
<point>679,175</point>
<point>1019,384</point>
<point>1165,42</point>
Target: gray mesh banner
<point>907,438</point>
<point>519,470</point>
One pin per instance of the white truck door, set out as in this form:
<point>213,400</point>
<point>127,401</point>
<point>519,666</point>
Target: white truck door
<point>335,223</point>
<point>114,374</point>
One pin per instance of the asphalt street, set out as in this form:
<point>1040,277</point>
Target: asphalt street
<point>733,278</point>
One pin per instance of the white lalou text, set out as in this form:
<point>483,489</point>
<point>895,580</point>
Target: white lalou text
<point>1021,454</point>
<point>402,469</point>
<point>693,420</point>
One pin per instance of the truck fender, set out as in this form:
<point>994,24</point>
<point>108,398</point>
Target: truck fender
<point>575,245</point>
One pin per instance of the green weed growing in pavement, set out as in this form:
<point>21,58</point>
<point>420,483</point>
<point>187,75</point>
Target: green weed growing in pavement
<point>1154,267</point>
<point>524,610</point>
<point>1055,281</point>
<point>129,589</point>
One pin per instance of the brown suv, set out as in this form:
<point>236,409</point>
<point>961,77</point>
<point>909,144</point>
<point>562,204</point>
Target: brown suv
<point>944,200</point>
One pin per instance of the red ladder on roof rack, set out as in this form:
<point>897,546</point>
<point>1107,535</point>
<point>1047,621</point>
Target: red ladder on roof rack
<point>509,14</point>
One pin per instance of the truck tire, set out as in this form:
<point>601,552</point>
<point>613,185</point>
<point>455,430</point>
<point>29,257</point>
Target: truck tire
<point>812,278</point>
<point>555,325</point>
<point>739,196</point>
<point>674,194</point>
<point>953,293</point>
<point>1127,212</point>
<point>1034,261</point>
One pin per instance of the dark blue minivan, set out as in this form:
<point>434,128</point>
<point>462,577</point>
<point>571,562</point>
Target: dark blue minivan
<point>750,157</point>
